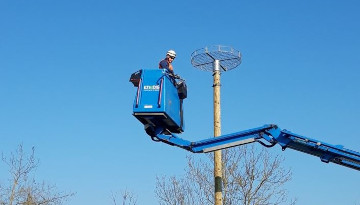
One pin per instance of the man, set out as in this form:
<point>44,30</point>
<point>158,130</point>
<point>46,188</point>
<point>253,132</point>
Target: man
<point>180,85</point>
<point>166,63</point>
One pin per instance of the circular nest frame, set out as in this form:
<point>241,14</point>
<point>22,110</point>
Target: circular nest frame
<point>204,58</point>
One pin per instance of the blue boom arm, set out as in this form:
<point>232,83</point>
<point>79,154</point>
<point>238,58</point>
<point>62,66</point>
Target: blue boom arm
<point>158,105</point>
<point>269,136</point>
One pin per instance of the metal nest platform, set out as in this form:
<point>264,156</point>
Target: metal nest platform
<point>204,58</point>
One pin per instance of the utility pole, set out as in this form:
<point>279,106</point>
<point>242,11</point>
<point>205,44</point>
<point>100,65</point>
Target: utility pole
<point>217,132</point>
<point>216,59</point>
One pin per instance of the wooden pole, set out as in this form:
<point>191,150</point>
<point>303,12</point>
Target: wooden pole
<point>217,132</point>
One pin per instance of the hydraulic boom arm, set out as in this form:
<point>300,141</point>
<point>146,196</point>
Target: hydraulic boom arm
<point>267,135</point>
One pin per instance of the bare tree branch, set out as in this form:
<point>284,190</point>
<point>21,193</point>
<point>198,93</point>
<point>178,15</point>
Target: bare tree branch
<point>127,198</point>
<point>23,190</point>
<point>250,177</point>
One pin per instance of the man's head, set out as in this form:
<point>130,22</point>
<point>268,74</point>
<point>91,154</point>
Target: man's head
<point>171,55</point>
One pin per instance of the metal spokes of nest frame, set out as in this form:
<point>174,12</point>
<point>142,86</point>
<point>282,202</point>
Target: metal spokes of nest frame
<point>204,58</point>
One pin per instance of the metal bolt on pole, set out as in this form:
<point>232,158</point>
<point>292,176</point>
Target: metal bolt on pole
<point>216,59</point>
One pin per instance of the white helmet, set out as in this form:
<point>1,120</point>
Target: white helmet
<point>171,53</point>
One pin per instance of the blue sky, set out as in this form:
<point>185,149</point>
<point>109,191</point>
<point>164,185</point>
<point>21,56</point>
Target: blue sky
<point>65,66</point>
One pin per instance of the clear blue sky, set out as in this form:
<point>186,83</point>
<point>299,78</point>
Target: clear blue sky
<point>65,66</point>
